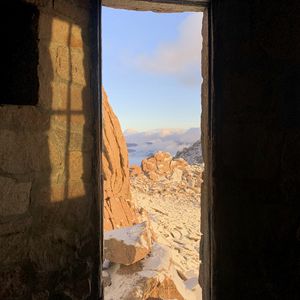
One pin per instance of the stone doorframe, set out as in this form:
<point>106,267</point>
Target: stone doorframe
<point>169,6</point>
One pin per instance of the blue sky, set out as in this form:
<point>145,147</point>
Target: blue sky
<point>151,68</point>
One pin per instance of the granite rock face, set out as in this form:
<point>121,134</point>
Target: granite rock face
<point>118,208</point>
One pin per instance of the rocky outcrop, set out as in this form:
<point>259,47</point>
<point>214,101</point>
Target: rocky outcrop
<point>185,182</point>
<point>161,164</point>
<point>119,210</point>
<point>192,154</point>
<point>163,174</point>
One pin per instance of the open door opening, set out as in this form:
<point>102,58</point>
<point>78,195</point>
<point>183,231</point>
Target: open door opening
<point>152,154</point>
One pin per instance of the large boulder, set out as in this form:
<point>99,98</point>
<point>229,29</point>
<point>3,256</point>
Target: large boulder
<point>159,163</point>
<point>127,245</point>
<point>119,210</point>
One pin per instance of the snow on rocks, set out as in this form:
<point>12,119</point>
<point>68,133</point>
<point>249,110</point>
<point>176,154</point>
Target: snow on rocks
<point>106,279</point>
<point>180,182</point>
<point>166,192</point>
<point>192,154</point>
<point>155,277</point>
<point>127,245</point>
<point>173,206</point>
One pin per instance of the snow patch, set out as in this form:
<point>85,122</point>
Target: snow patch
<point>131,235</point>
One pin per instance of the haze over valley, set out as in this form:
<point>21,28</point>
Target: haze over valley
<point>142,144</point>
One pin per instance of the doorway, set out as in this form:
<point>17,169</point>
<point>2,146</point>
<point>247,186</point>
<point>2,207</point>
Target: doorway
<point>205,187</point>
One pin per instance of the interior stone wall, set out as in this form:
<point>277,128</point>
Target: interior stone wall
<point>256,132</point>
<point>48,234</point>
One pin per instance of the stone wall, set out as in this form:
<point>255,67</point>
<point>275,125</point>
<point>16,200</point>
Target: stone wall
<point>256,135</point>
<point>48,245</point>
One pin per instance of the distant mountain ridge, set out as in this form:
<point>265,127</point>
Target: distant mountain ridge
<point>192,154</point>
<point>143,144</point>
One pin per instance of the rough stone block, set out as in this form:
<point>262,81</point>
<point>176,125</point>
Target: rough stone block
<point>19,224</point>
<point>75,9</point>
<point>13,285</point>
<point>67,191</point>
<point>72,97</point>
<point>79,165</point>
<point>23,118</point>
<point>59,190</point>
<point>77,140</point>
<point>13,250</point>
<point>23,152</point>
<point>14,196</point>
<point>60,31</point>
<point>127,245</point>
<point>69,65</point>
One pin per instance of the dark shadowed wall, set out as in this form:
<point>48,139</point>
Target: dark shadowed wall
<point>256,147</point>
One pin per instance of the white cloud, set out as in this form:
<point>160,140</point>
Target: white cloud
<point>181,57</point>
